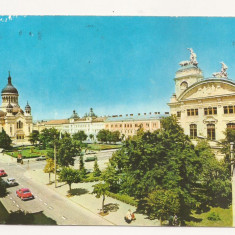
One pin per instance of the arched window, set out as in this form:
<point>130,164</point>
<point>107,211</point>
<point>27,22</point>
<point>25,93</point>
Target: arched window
<point>193,131</point>
<point>19,125</point>
<point>211,131</point>
<point>183,85</point>
<point>231,126</point>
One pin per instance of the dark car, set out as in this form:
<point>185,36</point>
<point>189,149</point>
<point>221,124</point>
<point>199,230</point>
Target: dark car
<point>41,158</point>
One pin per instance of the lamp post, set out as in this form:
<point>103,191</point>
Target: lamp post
<point>233,182</point>
<point>55,159</point>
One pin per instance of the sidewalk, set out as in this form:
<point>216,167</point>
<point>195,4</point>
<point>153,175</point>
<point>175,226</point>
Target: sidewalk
<point>87,200</point>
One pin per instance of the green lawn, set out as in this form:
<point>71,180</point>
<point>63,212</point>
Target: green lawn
<point>225,216</point>
<point>27,153</point>
<point>103,146</point>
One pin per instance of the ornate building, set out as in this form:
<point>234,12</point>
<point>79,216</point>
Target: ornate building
<point>205,107</point>
<point>16,122</point>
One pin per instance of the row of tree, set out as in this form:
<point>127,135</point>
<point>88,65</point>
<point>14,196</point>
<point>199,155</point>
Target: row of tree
<point>46,137</point>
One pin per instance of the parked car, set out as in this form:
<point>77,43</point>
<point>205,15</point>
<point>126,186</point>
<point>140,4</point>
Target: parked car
<point>24,194</point>
<point>11,182</point>
<point>2,173</point>
<point>41,158</point>
<point>90,159</point>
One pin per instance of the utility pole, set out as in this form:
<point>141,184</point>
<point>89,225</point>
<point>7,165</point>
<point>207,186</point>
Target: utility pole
<point>55,159</point>
<point>233,181</point>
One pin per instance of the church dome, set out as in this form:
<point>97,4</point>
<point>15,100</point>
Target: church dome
<point>9,88</point>
<point>74,115</point>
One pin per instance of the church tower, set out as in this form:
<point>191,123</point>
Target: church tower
<point>9,95</point>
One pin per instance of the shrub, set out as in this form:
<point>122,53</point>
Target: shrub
<point>123,198</point>
<point>213,216</point>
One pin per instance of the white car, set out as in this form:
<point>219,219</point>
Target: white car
<point>11,182</point>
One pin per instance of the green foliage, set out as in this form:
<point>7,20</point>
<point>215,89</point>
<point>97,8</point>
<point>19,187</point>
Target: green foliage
<point>213,216</point>
<point>214,186</point>
<point>66,151</point>
<point>163,158</point>
<point>5,140</point>
<point>47,137</point>
<point>101,189</point>
<point>3,190</point>
<point>162,203</point>
<point>69,175</point>
<point>80,136</point>
<point>108,136</point>
<point>49,167</point>
<point>96,171</point>
<point>34,137</point>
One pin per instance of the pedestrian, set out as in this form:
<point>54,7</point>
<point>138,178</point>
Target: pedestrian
<point>128,216</point>
<point>175,220</point>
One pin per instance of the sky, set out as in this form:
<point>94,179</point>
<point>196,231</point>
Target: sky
<point>116,65</point>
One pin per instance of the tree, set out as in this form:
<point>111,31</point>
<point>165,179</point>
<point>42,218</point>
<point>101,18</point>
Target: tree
<point>116,136</point>
<point>47,137</point>
<point>69,175</point>
<point>80,135</point>
<point>103,135</point>
<point>214,178</point>
<point>96,171</point>
<point>34,137</point>
<point>49,167</point>
<point>66,151</point>
<point>82,166</point>
<point>101,189</point>
<point>162,204</point>
<point>5,140</point>
<point>164,158</point>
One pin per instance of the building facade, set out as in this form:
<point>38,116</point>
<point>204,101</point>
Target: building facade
<point>17,123</point>
<point>128,125</point>
<point>205,107</point>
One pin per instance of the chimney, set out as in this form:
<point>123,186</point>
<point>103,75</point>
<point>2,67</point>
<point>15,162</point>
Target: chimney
<point>150,113</point>
<point>131,114</point>
<point>120,115</point>
<point>138,114</point>
<point>155,112</point>
<point>126,115</point>
<point>144,113</point>
<point>166,112</point>
<point>159,113</point>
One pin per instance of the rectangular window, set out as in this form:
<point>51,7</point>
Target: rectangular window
<point>211,131</point>
<point>193,131</point>
<point>178,114</point>
<point>192,112</point>
<point>210,111</point>
<point>225,109</point>
<point>230,109</point>
<point>120,125</point>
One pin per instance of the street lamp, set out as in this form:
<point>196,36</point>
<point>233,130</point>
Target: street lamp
<point>55,158</point>
<point>233,181</point>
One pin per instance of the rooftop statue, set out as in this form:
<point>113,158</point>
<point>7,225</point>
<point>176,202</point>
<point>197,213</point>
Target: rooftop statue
<point>222,73</point>
<point>193,59</point>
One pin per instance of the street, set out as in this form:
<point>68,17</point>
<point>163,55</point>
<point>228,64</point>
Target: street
<point>53,205</point>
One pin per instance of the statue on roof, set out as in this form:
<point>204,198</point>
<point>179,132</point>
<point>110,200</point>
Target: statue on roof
<point>193,59</point>
<point>222,73</point>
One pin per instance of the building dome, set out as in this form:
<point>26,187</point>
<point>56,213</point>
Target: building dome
<point>9,88</point>
<point>74,115</point>
<point>27,106</point>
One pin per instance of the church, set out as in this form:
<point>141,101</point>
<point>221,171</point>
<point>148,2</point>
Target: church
<point>204,107</point>
<point>16,122</point>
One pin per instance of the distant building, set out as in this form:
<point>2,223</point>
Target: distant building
<point>16,122</point>
<point>129,124</point>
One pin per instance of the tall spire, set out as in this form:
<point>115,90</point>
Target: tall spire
<point>9,78</point>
